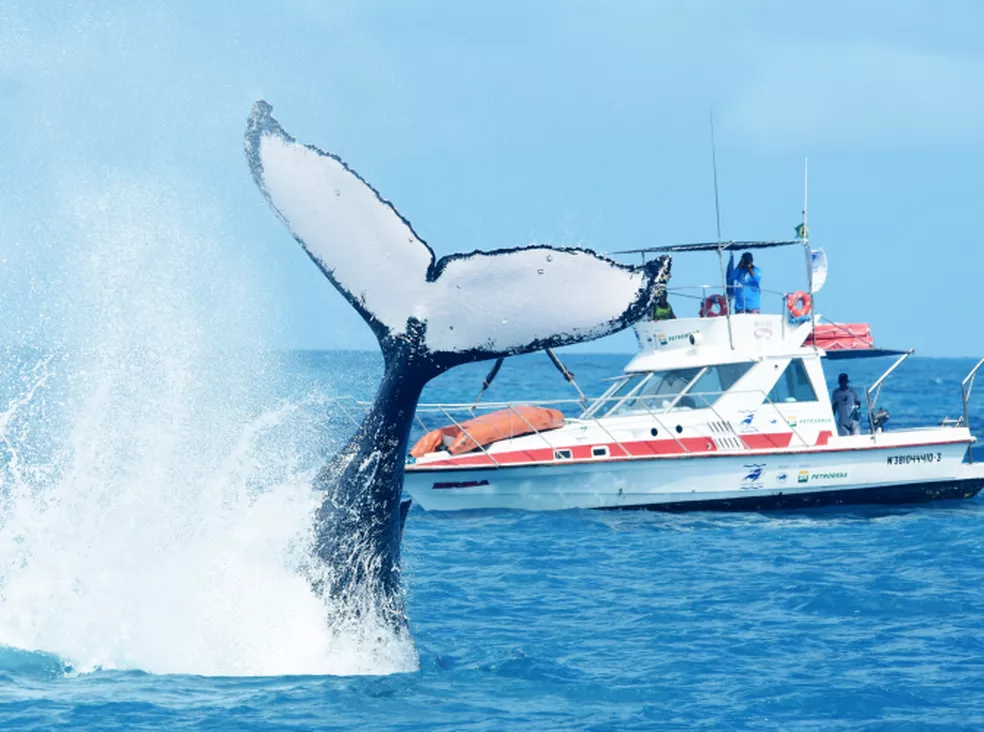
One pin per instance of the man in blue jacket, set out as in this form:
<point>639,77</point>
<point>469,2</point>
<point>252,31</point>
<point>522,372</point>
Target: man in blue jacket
<point>743,284</point>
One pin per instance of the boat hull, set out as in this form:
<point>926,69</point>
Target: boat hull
<point>906,493</point>
<point>738,482</point>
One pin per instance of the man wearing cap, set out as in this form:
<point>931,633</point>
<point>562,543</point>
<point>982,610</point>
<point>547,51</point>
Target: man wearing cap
<point>847,407</point>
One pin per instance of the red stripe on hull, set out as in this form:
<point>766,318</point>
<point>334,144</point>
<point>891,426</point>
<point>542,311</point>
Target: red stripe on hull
<point>766,442</point>
<point>697,447</point>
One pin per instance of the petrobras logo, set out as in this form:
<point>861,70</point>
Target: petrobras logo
<point>806,476</point>
<point>686,338</point>
<point>828,476</point>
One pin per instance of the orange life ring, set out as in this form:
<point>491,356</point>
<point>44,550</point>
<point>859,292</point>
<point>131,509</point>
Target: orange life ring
<point>714,306</point>
<point>799,304</point>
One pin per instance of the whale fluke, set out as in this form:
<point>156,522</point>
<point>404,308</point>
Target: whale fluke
<point>428,314</point>
<point>488,304</point>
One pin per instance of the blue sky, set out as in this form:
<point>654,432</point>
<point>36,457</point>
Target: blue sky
<point>502,124</point>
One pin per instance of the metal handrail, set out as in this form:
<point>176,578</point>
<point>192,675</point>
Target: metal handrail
<point>874,391</point>
<point>597,404</point>
<point>765,401</point>
<point>717,414</point>
<point>680,394</point>
<point>477,443</point>
<point>966,388</point>
<point>665,429</point>
<point>632,392</point>
<point>646,410</point>
<point>540,434</point>
<point>614,439</point>
<point>435,407</point>
<point>729,291</point>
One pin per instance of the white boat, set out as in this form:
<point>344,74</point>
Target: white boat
<point>713,413</point>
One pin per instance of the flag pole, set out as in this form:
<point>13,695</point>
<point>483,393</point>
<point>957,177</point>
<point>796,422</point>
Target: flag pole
<point>805,236</point>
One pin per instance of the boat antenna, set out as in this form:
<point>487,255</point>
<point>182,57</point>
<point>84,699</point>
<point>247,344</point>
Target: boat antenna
<point>714,167</point>
<point>717,215</point>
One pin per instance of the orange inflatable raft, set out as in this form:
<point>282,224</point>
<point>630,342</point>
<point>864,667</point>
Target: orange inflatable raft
<point>489,428</point>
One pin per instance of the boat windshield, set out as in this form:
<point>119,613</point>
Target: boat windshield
<point>653,392</point>
<point>658,391</point>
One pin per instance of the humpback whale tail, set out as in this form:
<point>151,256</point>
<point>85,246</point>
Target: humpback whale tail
<point>459,308</point>
<point>428,314</point>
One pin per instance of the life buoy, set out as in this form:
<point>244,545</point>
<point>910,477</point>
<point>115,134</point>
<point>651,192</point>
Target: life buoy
<point>714,306</point>
<point>799,304</point>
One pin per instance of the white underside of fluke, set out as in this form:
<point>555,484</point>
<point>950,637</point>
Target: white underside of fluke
<point>495,301</point>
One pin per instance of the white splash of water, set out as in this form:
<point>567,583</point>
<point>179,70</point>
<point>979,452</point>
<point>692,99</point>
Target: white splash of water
<point>172,534</point>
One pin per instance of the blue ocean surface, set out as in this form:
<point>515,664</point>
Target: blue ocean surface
<point>149,524</point>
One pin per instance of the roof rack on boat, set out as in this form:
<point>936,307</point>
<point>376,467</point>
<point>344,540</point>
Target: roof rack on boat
<point>713,246</point>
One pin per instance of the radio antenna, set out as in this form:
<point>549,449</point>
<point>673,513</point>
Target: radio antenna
<point>717,215</point>
<point>714,166</point>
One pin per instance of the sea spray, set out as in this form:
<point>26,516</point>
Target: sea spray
<point>172,532</point>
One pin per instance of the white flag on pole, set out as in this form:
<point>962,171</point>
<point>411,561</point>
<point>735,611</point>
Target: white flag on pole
<point>818,259</point>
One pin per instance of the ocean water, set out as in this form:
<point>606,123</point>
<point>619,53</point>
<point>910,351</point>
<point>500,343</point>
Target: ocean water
<point>154,511</point>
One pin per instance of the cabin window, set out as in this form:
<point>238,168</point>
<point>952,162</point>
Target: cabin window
<point>659,392</point>
<point>715,380</point>
<point>615,393</point>
<point>794,385</point>
<point>562,454</point>
<point>599,451</point>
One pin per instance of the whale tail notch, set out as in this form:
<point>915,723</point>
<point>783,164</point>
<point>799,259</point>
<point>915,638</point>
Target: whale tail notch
<point>461,307</point>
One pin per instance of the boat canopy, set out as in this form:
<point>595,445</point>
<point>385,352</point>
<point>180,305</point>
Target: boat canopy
<point>714,246</point>
<point>853,353</point>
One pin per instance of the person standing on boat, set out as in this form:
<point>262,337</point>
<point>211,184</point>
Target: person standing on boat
<point>744,283</point>
<point>662,310</point>
<point>847,407</point>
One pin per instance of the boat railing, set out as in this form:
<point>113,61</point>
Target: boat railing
<point>474,441</point>
<point>874,391</point>
<point>700,293</point>
<point>765,401</point>
<point>639,408</point>
<point>966,388</point>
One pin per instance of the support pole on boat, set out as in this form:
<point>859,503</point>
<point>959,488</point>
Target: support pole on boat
<point>567,374</point>
<point>488,380</point>
<point>724,285</point>
<point>804,233</point>
<point>966,387</point>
